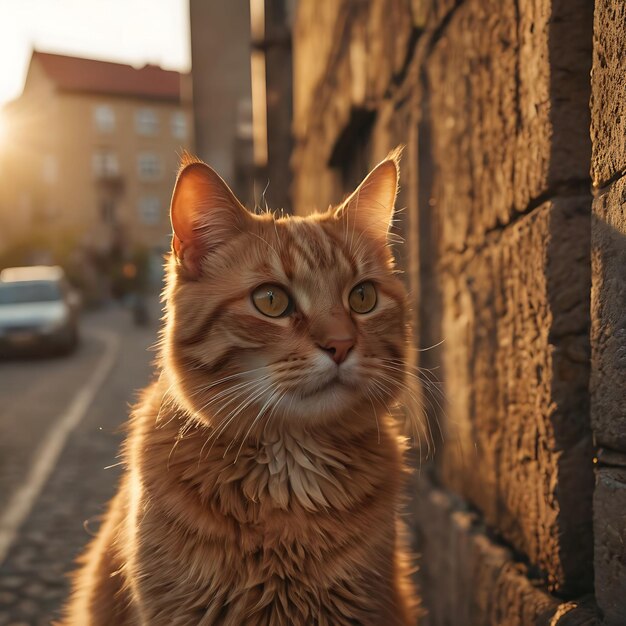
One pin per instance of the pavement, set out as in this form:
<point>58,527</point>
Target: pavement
<point>61,424</point>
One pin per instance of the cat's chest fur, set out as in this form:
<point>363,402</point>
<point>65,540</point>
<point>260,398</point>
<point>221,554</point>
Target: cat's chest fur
<point>287,472</point>
<point>279,474</point>
<point>257,519</point>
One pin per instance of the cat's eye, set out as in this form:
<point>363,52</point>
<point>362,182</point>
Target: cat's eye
<point>363,298</point>
<point>272,300</point>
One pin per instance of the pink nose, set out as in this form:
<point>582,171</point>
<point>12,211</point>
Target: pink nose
<point>338,349</point>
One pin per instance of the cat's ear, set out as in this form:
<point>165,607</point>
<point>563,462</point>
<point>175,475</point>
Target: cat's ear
<point>370,207</point>
<point>205,214</point>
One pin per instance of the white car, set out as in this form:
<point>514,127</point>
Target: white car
<point>38,310</point>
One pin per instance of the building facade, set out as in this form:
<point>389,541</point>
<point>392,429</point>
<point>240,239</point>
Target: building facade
<point>91,153</point>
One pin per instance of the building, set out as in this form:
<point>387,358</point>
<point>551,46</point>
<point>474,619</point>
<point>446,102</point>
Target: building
<point>92,153</point>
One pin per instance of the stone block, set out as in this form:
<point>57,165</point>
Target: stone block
<point>515,365</point>
<point>510,124</point>
<point>608,317</point>
<point>609,516</point>
<point>466,578</point>
<point>608,91</point>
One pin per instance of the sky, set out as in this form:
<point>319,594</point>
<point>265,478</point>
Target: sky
<point>126,31</point>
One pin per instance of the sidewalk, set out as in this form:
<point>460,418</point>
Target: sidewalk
<point>33,577</point>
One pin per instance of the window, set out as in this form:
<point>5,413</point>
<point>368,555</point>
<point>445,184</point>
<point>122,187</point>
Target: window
<point>148,166</point>
<point>50,170</point>
<point>105,164</point>
<point>179,125</point>
<point>150,209</point>
<point>146,122</point>
<point>104,118</point>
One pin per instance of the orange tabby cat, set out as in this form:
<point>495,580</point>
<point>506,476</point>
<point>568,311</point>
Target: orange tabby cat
<point>263,472</point>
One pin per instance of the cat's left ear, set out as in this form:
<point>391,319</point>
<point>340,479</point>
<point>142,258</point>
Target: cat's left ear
<point>205,213</point>
<point>370,207</point>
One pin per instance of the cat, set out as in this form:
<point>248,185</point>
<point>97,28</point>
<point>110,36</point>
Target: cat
<point>263,472</point>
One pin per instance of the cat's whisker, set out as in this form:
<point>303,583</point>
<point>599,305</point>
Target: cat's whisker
<point>435,345</point>
<point>165,404</point>
<point>273,411</point>
<point>414,424</point>
<point>431,394</point>
<point>236,435</point>
<point>254,421</point>
<point>403,389</point>
<point>259,394</point>
<point>422,380</point>
<point>236,394</point>
<point>228,391</point>
<point>256,392</point>
<point>430,441</point>
<point>219,381</point>
<point>369,397</point>
<point>409,365</point>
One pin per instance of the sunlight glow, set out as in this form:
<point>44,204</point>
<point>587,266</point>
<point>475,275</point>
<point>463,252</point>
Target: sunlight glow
<point>4,129</point>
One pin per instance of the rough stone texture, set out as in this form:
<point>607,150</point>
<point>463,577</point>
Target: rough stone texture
<point>609,503</point>
<point>468,580</point>
<point>349,56</point>
<point>515,364</point>
<point>364,44</point>
<point>608,91</point>
<point>608,317</point>
<point>510,125</point>
<point>608,305</point>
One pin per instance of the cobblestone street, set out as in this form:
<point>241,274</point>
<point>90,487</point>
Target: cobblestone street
<point>33,576</point>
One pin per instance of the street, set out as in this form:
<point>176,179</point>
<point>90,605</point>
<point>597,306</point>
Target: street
<point>61,423</point>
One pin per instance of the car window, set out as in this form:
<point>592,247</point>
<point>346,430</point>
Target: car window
<point>29,291</point>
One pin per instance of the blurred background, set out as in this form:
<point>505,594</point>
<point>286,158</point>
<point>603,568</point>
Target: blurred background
<point>512,211</point>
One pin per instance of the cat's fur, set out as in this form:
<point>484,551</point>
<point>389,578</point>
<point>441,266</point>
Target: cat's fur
<point>256,491</point>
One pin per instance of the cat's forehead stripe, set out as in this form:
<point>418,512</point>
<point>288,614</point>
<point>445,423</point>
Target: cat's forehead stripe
<point>316,247</point>
<point>310,246</point>
<point>340,244</point>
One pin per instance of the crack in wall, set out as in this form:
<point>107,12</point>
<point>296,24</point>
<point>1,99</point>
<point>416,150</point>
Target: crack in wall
<point>573,188</point>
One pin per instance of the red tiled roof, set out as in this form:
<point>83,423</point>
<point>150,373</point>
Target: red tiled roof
<point>103,77</point>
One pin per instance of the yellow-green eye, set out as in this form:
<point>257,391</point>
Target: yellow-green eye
<point>272,300</point>
<point>363,297</point>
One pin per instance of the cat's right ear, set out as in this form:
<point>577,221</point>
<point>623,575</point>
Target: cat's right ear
<point>205,213</point>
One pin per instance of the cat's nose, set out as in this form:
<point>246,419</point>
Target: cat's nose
<point>338,349</point>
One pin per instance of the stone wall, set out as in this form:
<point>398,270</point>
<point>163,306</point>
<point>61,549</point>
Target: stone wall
<point>503,248</point>
<point>608,305</point>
